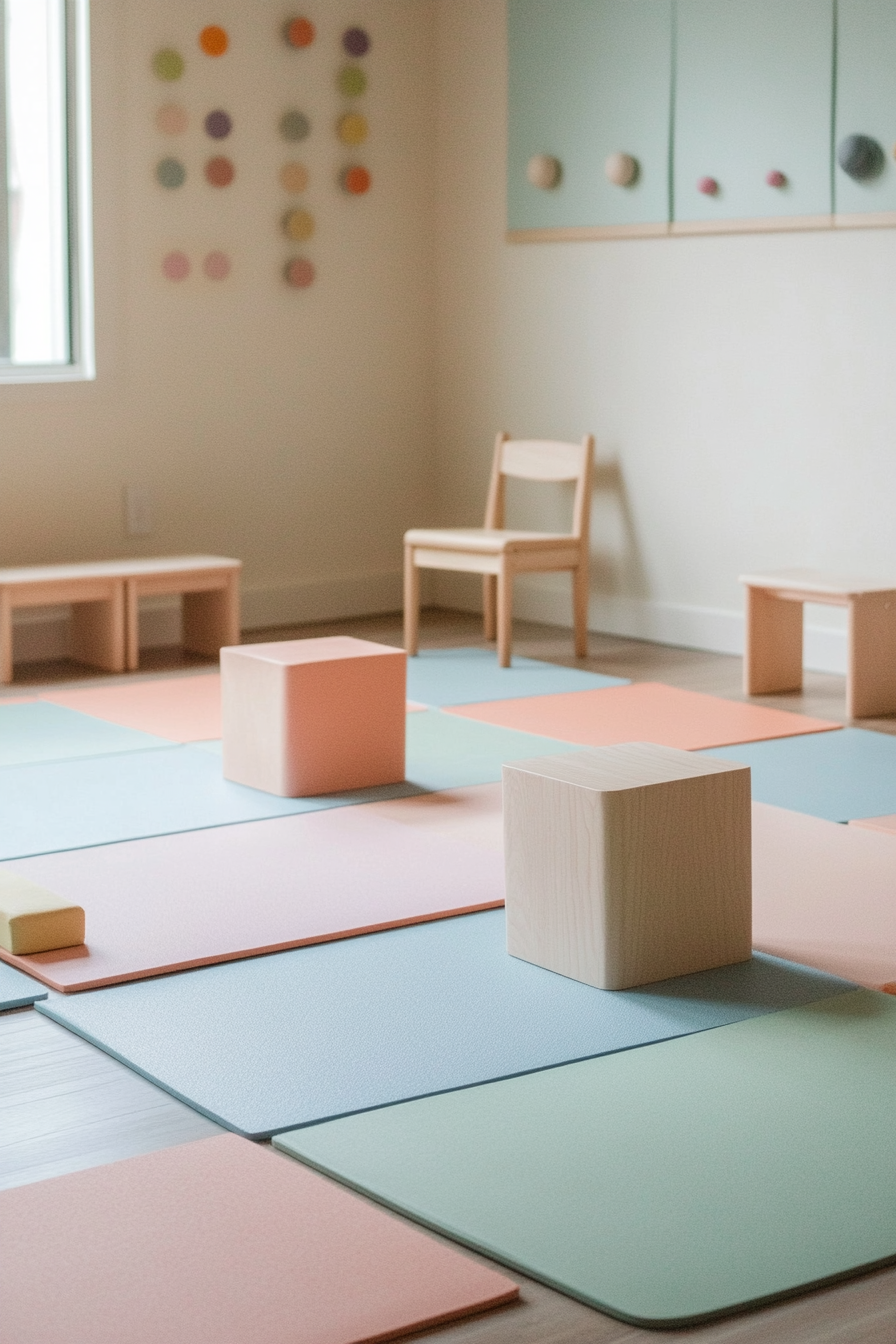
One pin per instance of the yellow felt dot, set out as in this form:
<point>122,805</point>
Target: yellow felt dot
<point>352,129</point>
<point>298,225</point>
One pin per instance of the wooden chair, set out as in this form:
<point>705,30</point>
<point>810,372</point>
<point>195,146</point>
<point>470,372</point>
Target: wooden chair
<point>499,554</point>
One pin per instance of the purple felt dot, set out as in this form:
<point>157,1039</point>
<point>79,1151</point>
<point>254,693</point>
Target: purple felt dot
<point>708,186</point>
<point>356,41</point>
<point>218,125</point>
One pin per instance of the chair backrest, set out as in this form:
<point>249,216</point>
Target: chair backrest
<point>543,460</point>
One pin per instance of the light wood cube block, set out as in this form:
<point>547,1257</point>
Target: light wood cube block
<point>311,716</point>
<point>628,864</point>
<point>33,919</point>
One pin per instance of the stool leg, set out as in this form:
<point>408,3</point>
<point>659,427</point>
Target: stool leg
<point>208,622</point>
<point>505,613</point>
<point>773,652</point>
<point>411,602</point>
<point>489,605</point>
<point>871,671</point>
<point>5,639</point>
<point>98,632</point>
<point>580,585</point>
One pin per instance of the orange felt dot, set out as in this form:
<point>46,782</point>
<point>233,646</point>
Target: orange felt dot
<point>300,32</point>
<point>356,180</point>
<point>214,40</point>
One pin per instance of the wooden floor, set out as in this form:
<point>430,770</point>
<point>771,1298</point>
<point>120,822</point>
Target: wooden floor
<point>65,1105</point>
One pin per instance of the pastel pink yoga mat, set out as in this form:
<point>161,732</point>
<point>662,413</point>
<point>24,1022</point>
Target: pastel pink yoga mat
<point>886,824</point>
<point>221,1242</point>
<point>825,895</point>
<point>183,709</point>
<point>646,711</point>
<point>198,897</point>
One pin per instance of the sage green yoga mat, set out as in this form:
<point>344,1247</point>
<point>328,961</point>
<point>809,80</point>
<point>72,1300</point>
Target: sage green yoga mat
<point>666,1184</point>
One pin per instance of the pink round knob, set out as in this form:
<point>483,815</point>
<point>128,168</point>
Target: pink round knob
<point>776,178</point>
<point>708,186</point>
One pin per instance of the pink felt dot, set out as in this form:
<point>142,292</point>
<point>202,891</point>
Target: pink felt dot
<point>708,186</point>
<point>217,266</point>
<point>776,178</point>
<point>299,273</point>
<point>176,266</point>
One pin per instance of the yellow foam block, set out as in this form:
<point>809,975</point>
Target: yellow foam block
<point>33,919</point>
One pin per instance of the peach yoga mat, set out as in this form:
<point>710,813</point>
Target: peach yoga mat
<point>221,1242</point>
<point>183,709</point>
<point>825,895</point>
<point>886,824</point>
<point>198,897</point>
<point>646,711</point>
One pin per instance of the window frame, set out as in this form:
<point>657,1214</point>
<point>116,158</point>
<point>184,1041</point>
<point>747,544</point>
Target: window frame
<point>81,365</point>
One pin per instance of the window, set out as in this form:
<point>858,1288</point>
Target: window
<point>46,318</point>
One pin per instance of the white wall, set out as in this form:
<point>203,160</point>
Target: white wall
<point>742,389</point>
<point>293,429</point>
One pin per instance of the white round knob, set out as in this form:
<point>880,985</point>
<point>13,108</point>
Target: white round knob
<point>621,169</point>
<point>543,171</point>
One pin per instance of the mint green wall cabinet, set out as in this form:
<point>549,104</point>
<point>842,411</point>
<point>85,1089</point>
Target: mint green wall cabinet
<point>866,99</point>
<point>753,94</point>
<point>589,78</point>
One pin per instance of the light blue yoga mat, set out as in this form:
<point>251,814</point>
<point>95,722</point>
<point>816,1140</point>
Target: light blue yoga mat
<point>666,1185</point>
<point>17,990</point>
<point>467,676</point>
<point>285,1040</point>
<point>43,732</point>
<point>102,800</point>
<point>839,776</point>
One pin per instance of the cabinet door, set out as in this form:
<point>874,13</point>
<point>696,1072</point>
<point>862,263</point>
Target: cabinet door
<point>866,99</point>
<point>589,78</point>
<point>753,95</point>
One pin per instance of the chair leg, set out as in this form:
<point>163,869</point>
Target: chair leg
<point>411,602</point>
<point>580,609</point>
<point>505,613</point>
<point>489,603</point>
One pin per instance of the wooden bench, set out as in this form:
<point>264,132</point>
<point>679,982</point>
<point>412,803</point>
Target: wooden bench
<point>105,596</point>
<point>773,655</point>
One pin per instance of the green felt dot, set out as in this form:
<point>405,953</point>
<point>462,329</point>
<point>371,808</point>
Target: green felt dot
<point>352,81</point>
<point>294,125</point>
<point>170,173</point>
<point>168,64</point>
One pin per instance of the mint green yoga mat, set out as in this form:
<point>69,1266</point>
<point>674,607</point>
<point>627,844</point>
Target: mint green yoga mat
<point>665,1185</point>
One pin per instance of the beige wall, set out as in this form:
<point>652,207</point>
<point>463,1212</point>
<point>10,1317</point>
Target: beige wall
<point>293,429</point>
<point>742,389</point>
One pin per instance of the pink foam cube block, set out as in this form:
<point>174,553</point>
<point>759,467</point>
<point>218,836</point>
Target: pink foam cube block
<point>309,716</point>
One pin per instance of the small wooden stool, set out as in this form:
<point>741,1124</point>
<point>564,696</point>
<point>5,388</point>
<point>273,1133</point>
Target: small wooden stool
<point>210,587</point>
<point>773,654</point>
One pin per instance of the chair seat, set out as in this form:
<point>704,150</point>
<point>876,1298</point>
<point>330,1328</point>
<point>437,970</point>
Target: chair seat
<point>491,541</point>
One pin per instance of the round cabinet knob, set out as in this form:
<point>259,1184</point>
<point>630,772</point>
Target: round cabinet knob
<point>621,169</point>
<point>776,178</point>
<point>708,186</point>
<point>860,157</point>
<point>543,171</point>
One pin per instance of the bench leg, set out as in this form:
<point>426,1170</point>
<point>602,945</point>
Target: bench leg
<point>871,671</point>
<point>411,603</point>
<point>5,640</point>
<point>211,620</point>
<point>490,606</point>
<point>132,625</point>
<point>505,613</point>
<point>98,632</point>
<point>773,653</point>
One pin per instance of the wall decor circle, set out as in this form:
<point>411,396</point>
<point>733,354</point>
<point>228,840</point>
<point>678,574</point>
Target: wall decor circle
<point>299,273</point>
<point>860,157</point>
<point>708,186</point>
<point>219,172</point>
<point>775,178</point>
<point>170,173</point>
<point>356,180</point>
<point>543,171</point>
<point>298,225</point>
<point>298,32</point>
<point>294,125</point>
<point>168,64</point>
<point>214,40</point>
<point>172,119</point>
<point>216,266</point>
<point>621,169</point>
<point>176,266</point>
<point>294,177</point>
<point>356,41</point>
<point>351,81</point>
<point>218,124</point>
<point>352,129</point>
